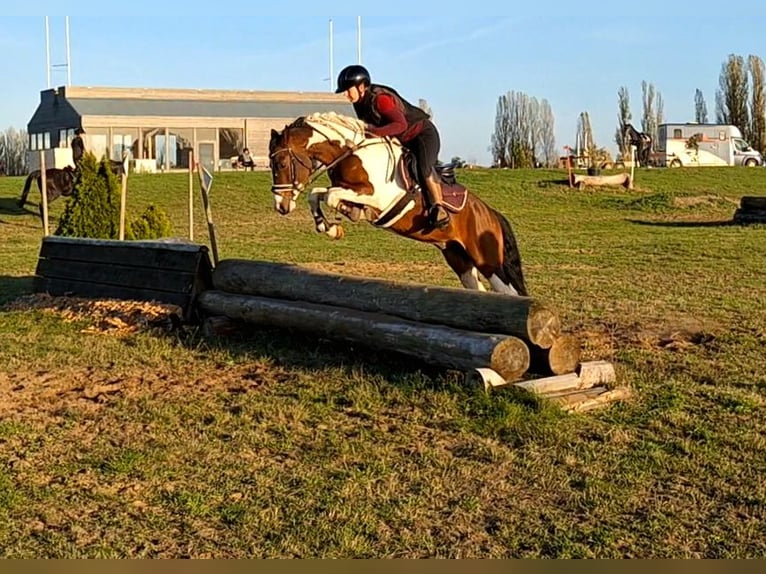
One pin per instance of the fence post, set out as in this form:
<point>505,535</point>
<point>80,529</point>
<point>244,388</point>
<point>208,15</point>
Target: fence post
<point>44,192</point>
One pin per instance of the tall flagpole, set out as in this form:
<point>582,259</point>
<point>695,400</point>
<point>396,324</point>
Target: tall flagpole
<point>332,70</point>
<point>68,59</point>
<point>359,39</point>
<point>48,52</point>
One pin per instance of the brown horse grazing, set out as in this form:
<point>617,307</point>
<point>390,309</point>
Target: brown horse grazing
<point>58,182</point>
<point>372,179</point>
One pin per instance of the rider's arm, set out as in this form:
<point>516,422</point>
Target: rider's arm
<point>395,122</point>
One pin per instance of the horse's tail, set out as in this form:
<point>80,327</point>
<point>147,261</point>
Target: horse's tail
<point>27,185</point>
<point>511,257</point>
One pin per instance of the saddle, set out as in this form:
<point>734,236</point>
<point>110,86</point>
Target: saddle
<point>453,193</point>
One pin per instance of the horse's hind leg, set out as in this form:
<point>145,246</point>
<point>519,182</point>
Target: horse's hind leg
<point>462,264</point>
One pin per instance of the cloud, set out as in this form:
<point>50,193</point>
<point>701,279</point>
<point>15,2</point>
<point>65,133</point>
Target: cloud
<point>445,39</point>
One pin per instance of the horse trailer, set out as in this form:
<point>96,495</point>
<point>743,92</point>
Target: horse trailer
<point>695,145</point>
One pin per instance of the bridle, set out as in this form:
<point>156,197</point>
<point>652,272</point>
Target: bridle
<point>295,186</point>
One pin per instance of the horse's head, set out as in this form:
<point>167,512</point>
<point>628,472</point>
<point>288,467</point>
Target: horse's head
<point>291,165</point>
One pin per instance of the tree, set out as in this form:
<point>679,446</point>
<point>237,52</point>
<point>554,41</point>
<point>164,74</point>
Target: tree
<point>652,110</point>
<point>700,107</point>
<point>731,99</point>
<point>547,136</point>
<point>524,135</point>
<point>756,133</point>
<point>13,152</point>
<point>93,210</point>
<point>502,135</point>
<point>585,144</point>
<point>623,119</point>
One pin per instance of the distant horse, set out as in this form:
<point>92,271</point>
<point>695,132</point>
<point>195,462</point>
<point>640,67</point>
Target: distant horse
<point>372,179</point>
<point>58,182</point>
<point>641,140</point>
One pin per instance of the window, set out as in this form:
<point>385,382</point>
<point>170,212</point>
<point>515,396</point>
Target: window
<point>47,140</point>
<point>181,143</point>
<point>32,142</point>
<point>124,140</point>
<point>677,134</point>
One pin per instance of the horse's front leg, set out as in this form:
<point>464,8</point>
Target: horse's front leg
<point>316,196</point>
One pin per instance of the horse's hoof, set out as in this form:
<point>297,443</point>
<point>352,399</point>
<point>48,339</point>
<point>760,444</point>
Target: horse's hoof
<point>321,228</point>
<point>336,232</point>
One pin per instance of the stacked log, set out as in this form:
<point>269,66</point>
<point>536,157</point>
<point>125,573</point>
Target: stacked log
<point>509,336</point>
<point>752,209</point>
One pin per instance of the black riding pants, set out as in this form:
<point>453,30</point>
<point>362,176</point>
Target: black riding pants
<point>426,146</point>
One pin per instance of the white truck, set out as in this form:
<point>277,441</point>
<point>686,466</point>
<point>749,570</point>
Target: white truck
<point>693,145</point>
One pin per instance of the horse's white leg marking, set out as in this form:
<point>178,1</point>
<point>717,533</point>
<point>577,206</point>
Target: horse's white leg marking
<point>470,280</point>
<point>498,285</point>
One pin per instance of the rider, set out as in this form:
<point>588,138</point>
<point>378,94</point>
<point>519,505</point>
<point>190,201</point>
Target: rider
<point>388,114</point>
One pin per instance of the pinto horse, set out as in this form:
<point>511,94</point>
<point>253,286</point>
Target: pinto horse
<point>370,179</point>
<point>58,182</point>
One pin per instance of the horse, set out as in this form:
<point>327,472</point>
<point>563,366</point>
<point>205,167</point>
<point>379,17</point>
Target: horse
<point>373,179</point>
<point>641,140</point>
<point>58,182</point>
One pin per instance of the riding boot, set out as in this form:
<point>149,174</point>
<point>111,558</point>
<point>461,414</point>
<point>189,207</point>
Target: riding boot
<point>438,215</point>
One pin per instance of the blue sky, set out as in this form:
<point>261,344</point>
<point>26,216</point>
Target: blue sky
<point>575,55</point>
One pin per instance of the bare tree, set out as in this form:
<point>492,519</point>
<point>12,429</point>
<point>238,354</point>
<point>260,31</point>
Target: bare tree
<point>652,110</point>
<point>757,129</point>
<point>523,132</point>
<point>623,119</point>
<point>13,152</point>
<point>585,144</point>
<point>501,137</point>
<point>547,137</point>
<point>731,98</point>
<point>659,116</point>
<point>700,107</point>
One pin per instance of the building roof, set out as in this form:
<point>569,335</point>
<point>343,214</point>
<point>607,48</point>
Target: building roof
<point>64,102</point>
<point>200,108</point>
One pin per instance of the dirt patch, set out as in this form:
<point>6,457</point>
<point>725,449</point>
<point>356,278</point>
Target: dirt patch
<point>602,340</point>
<point>105,316</point>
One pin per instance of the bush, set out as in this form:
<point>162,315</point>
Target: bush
<point>94,209</point>
<point>152,224</point>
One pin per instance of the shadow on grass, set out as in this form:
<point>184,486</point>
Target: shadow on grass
<point>10,206</point>
<point>295,350</point>
<point>727,223</point>
<point>12,287</point>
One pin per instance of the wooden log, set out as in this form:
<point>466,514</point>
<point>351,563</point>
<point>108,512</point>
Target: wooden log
<point>522,317</point>
<point>438,345</point>
<point>548,385</point>
<point>622,179</point>
<point>587,375</point>
<point>592,373</point>
<point>600,400</point>
<point>560,358</point>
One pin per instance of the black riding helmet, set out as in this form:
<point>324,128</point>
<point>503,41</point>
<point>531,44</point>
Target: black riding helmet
<point>352,76</point>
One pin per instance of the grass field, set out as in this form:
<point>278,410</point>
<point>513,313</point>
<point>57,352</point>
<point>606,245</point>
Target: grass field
<point>274,445</point>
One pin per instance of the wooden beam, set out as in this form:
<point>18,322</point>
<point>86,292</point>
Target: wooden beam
<point>434,344</point>
<point>459,308</point>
